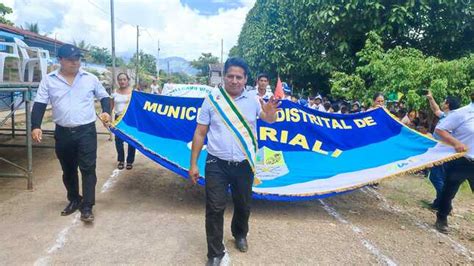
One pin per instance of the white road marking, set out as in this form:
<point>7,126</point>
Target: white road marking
<point>458,247</point>
<point>111,181</point>
<point>61,239</point>
<point>369,246</point>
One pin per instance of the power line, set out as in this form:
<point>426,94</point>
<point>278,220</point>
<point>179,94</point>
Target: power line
<point>107,13</point>
<point>149,34</point>
<point>119,19</point>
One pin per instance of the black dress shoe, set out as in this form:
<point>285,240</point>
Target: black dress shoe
<point>241,244</point>
<point>87,215</point>
<point>442,225</point>
<point>214,261</point>
<point>71,207</point>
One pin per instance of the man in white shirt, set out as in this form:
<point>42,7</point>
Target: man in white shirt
<point>457,129</point>
<point>226,163</point>
<point>71,92</point>
<point>262,87</point>
<point>437,174</point>
<point>317,105</point>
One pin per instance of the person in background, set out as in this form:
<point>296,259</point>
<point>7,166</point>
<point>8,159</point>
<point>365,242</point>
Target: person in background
<point>310,101</point>
<point>378,100</point>
<point>155,88</point>
<point>294,98</point>
<point>355,107</point>
<point>344,109</point>
<point>262,87</point>
<point>423,129</point>
<point>287,91</point>
<point>142,87</point>
<point>457,129</point>
<point>401,114</point>
<point>409,119</point>
<point>317,105</point>
<point>328,107</point>
<point>119,102</point>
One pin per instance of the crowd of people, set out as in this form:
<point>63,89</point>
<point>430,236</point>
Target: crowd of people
<point>71,92</point>
<point>418,120</point>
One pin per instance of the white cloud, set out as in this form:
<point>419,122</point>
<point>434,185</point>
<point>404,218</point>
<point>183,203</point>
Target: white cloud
<point>181,30</point>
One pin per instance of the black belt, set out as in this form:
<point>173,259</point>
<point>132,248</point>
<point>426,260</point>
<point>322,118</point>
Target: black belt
<point>76,128</point>
<point>232,163</point>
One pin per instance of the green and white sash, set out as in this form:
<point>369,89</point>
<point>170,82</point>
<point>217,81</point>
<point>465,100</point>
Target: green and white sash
<point>236,123</point>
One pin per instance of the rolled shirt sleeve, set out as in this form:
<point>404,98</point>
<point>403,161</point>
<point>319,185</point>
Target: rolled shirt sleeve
<point>42,95</point>
<point>99,90</point>
<point>204,117</point>
<point>450,123</point>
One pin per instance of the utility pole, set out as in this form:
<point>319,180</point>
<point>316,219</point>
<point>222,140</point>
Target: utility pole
<point>112,19</point>
<point>55,45</point>
<point>158,61</point>
<point>222,50</point>
<point>137,59</point>
<point>222,60</point>
<point>168,69</point>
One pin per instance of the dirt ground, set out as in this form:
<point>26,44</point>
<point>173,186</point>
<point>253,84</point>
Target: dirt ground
<point>150,216</point>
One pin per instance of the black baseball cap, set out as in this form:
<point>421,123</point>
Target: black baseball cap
<point>69,51</point>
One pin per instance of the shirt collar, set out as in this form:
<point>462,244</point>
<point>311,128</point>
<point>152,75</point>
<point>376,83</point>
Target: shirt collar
<point>244,94</point>
<point>56,72</point>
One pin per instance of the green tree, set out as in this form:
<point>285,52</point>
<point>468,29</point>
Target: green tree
<point>81,44</point>
<point>147,63</point>
<point>5,10</point>
<point>99,55</point>
<point>32,27</point>
<point>305,41</point>
<point>404,70</point>
<point>202,64</point>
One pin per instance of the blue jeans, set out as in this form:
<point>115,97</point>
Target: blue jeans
<point>437,177</point>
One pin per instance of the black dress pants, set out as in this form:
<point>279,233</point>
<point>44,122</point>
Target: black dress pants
<point>220,175</point>
<point>77,147</point>
<point>457,172</point>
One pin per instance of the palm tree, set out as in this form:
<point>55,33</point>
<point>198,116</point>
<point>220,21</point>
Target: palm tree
<point>33,27</point>
<point>82,44</point>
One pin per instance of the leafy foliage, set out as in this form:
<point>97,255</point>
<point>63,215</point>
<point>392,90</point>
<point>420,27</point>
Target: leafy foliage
<point>99,55</point>
<point>81,44</point>
<point>32,27</point>
<point>147,63</point>
<point>405,70</point>
<point>202,64</point>
<point>5,10</point>
<point>304,41</point>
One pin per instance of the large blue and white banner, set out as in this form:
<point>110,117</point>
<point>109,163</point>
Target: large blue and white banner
<point>304,154</point>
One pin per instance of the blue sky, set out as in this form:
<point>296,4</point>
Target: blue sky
<point>211,7</point>
<point>184,28</point>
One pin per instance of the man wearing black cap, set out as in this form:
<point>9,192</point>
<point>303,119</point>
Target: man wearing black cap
<point>71,92</point>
